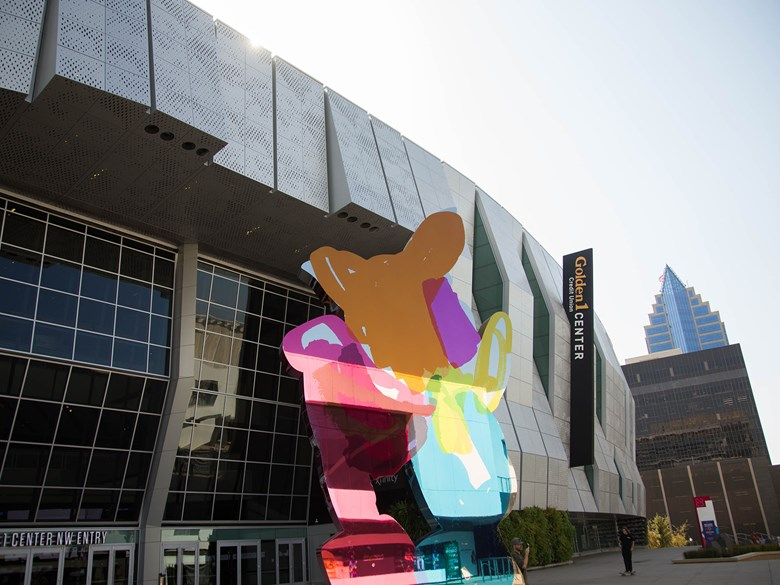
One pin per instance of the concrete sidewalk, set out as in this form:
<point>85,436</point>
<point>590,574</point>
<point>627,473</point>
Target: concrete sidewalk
<point>655,566</point>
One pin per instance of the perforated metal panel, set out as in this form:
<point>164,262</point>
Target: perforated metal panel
<point>171,68</point>
<point>360,157</point>
<point>246,105</point>
<point>400,182</point>
<point>105,47</point>
<point>430,179</point>
<point>302,168</point>
<point>259,122</point>
<point>20,28</point>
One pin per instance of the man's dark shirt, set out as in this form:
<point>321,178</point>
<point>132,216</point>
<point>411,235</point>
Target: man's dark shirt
<point>626,540</point>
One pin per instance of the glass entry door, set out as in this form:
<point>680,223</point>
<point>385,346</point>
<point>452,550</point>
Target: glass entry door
<point>31,567</point>
<point>238,563</point>
<point>290,561</point>
<point>110,565</point>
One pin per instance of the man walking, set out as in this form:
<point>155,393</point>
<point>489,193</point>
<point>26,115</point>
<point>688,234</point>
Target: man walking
<point>626,548</point>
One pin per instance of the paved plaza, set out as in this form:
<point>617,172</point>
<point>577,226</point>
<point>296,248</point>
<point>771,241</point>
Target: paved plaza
<point>654,566</point>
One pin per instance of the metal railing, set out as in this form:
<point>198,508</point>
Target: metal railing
<point>495,567</point>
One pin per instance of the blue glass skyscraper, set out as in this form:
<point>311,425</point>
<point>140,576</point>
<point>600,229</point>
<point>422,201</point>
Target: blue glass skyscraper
<point>681,320</point>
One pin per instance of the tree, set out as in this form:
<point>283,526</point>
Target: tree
<point>661,533</point>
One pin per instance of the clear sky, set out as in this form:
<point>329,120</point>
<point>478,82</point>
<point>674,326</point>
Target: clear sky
<point>648,130</point>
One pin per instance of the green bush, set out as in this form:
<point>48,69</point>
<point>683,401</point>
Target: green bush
<point>702,553</point>
<point>561,534</point>
<point>548,532</point>
<point>711,553</point>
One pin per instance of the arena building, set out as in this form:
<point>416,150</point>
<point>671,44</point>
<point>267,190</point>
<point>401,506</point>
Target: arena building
<point>161,183</point>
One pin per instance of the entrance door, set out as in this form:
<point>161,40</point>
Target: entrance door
<point>110,565</point>
<point>238,563</point>
<point>31,567</point>
<point>290,562</point>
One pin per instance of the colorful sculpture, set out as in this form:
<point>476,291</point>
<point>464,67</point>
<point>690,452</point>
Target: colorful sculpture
<point>404,376</point>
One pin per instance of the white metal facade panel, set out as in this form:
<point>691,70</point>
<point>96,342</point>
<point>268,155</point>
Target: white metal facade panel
<point>502,228</point>
<point>398,173</point>
<point>430,179</point>
<point>204,71</point>
<point>259,115</point>
<point>301,156</point>
<point>105,46</point>
<point>20,31</point>
<point>127,50</point>
<point>171,64</point>
<point>360,157</point>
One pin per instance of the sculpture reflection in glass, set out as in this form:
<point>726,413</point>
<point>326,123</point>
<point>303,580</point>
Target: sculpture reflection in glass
<point>405,376</point>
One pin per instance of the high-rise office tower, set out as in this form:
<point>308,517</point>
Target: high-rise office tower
<point>681,320</point>
<point>698,431</point>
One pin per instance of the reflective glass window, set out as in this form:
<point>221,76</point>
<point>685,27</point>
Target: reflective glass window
<point>124,392</point>
<point>712,318</point>
<point>25,464</point>
<point>134,294</point>
<point>53,341</point>
<point>116,429</point>
<point>15,333</point>
<point>98,285</point>
<point>137,470</point>
<point>98,505</point>
<point>58,505</point>
<point>146,432</point>
<point>129,355</point>
<point>86,387</point>
<point>129,505</point>
<point>224,291</point>
<point>18,264</point>
<point>12,372</point>
<point>60,275</point>
<point>274,306</point>
<point>7,412</point>
<point>45,380</point>
<point>101,254</point>
<point>657,329</point>
<point>24,232</point>
<point>154,396</point>
<point>19,503</point>
<point>230,477</point>
<point>55,307</point>
<point>17,298</point>
<point>136,264</point>
<point>67,467</point>
<point>132,324</point>
<point>163,272</point>
<point>159,333</point>
<point>711,337</point>
<point>158,360</point>
<point>77,425</point>
<point>107,468</point>
<point>93,348</point>
<point>161,300</point>
<point>64,243</point>
<point>35,421</point>
<point>96,316</point>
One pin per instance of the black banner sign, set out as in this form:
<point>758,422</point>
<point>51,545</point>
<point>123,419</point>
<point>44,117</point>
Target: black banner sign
<point>578,302</point>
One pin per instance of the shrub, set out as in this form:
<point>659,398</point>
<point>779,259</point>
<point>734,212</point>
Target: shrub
<point>561,534</point>
<point>712,552</point>
<point>661,533</point>
<point>548,533</point>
